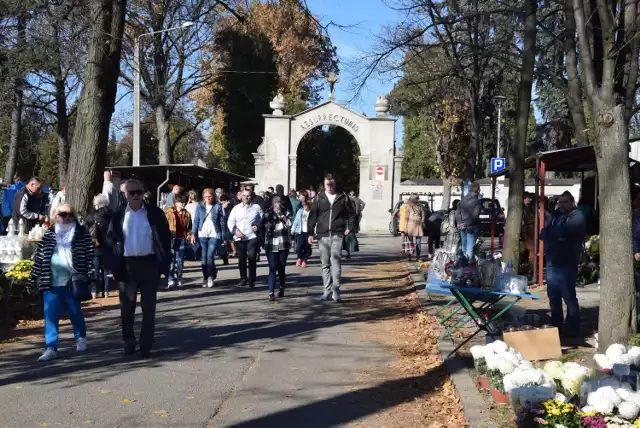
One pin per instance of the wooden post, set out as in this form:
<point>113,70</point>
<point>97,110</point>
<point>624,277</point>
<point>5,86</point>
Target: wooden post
<point>541,176</point>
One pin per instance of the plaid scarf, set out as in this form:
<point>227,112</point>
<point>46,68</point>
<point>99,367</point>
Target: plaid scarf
<point>277,227</point>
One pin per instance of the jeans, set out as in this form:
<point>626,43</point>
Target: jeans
<point>417,241</point>
<point>248,253</point>
<point>98,266</point>
<point>331,261</point>
<point>303,249</point>
<point>177,259</point>
<point>561,285</point>
<point>468,241</point>
<point>53,299</point>
<point>277,264</point>
<point>142,274</point>
<point>209,247</point>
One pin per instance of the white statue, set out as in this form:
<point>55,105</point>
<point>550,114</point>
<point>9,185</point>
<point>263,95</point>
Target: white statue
<point>278,105</point>
<point>381,106</point>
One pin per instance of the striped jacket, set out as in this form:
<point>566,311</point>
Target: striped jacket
<point>82,253</point>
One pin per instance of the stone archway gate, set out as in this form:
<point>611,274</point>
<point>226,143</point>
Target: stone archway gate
<point>380,166</point>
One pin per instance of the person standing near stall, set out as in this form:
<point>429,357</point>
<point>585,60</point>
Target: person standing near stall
<point>414,219</point>
<point>468,220</point>
<point>563,244</point>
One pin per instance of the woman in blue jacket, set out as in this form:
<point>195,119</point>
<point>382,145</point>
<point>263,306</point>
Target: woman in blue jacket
<point>299,228</point>
<point>208,230</point>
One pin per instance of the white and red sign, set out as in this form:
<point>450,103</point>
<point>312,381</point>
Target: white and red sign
<point>380,173</point>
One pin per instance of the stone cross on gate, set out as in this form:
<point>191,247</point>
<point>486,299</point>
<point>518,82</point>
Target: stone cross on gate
<point>332,79</point>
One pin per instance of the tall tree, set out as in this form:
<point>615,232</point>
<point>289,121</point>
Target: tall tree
<point>169,66</point>
<point>97,101</point>
<point>608,53</point>
<point>281,47</point>
<point>517,149</point>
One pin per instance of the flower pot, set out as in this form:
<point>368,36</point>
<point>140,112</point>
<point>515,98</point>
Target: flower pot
<point>499,397</point>
<point>482,382</point>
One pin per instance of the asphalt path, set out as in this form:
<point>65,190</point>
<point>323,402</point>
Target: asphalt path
<point>223,357</point>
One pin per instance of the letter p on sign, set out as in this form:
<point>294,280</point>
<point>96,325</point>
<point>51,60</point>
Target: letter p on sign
<point>497,165</point>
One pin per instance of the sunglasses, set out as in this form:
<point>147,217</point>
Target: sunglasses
<point>135,192</point>
<point>64,214</point>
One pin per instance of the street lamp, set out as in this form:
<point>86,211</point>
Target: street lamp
<point>136,88</point>
<point>500,99</point>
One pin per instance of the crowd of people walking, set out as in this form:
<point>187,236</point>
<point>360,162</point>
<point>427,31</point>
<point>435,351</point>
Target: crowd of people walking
<point>128,241</point>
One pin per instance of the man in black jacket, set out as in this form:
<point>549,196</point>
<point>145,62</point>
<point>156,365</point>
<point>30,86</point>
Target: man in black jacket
<point>28,204</point>
<point>330,219</point>
<point>137,251</point>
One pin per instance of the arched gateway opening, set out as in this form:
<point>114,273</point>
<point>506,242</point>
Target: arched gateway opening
<point>298,150</point>
<point>328,149</point>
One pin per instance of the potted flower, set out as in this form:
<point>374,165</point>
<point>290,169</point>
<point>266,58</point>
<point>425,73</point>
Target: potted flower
<point>498,393</point>
<point>480,364</point>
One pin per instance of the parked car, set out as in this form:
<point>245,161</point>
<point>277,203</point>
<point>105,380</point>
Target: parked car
<point>485,217</point>
<point>395,216</point>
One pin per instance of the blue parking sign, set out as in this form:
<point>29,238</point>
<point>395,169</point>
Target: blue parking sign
<point>497,165</point>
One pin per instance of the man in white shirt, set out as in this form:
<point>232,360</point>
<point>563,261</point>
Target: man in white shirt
<point>243,224</point>
<point>137,251</point>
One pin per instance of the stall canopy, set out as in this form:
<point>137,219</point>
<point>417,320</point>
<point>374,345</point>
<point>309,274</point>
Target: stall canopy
<point>573,159</point>
<point>189,176</point>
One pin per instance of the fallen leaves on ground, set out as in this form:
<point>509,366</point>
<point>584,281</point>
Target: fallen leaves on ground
<point>414,390</point>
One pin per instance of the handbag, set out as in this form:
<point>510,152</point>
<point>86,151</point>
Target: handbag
<point>80,287</point>
<point>408,247</point>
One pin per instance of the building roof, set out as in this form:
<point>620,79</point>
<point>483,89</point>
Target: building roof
<point>182,174</point>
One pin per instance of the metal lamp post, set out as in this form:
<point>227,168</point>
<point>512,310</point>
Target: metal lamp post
<point>500,99</point>
<point>136,88</point>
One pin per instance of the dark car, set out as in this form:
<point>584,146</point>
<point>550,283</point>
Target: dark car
<point>395,216</point>
<point>485,217</point>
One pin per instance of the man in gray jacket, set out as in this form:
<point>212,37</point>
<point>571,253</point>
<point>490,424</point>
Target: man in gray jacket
<point>563,241</point>
<point>468,219</point>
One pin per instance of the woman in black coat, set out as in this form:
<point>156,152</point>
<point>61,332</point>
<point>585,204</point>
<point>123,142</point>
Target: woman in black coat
<point>98,224</point>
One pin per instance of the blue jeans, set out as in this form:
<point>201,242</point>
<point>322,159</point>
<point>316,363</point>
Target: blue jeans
<point>97,268</point>
<point>177,259</point>
<point>53,300</point>
<point>209,247</point>
<point>277,264</point>
<point>561,285</point>
<point>467,242</point>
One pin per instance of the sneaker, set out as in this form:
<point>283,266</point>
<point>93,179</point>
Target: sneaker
<point>272,297</point>
<point>81,344</point>
<point>106,294</point>
<point>171,283</point>
<point>281,292</point>
<point>304,264</point>
<point>242,282</point>
<point>325,297</point>
<point>336,295</point>
<point>252,284</point>
<point>205,283</point>
<point>299,262</point>
<point>49,354</point>
<point>179,283</point>
<point>210,282</point>
<point>94,292</point>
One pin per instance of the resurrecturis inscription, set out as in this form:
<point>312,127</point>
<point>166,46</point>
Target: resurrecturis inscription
<point>330,119</point>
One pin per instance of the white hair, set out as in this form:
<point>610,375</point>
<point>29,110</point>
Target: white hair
<point>100,201</point>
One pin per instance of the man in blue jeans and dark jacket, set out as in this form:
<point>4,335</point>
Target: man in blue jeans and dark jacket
<point>563,242</point>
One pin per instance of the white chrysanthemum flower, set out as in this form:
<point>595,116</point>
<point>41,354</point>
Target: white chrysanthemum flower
<point>603,361</point>
<point>492,361</point>
<point>604,406</point>
<point>625,394</point>
<point>571,365</point>
<point>627,359</point>
<point>609,393</point>
<point>615,352</point>
<point>572,379</point>
<point>498,346</point>
<point>477,352</point>
<point>526,365</point>
<point>587,409</point>
<point>628,410</point>
<point>634,398</point>
<point>634,351</point>
<point>555,369</point>
<point>505,366</point>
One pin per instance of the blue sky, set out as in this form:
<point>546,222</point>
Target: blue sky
<point>365,19</point>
